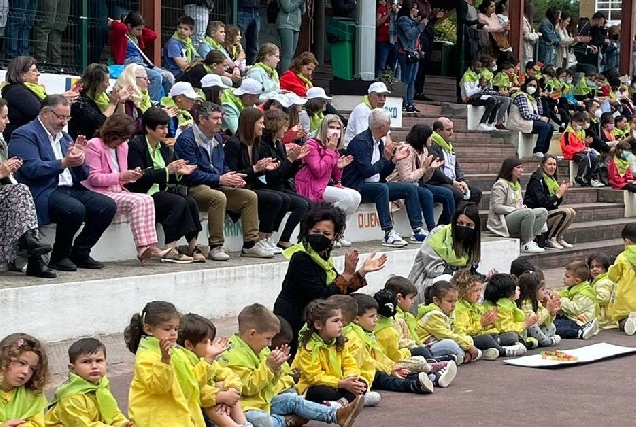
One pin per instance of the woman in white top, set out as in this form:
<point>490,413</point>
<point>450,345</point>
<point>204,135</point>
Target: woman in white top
<point>489,20</point>
<point>565,56</point>
<point>501,9</point>
<point>530,36</point>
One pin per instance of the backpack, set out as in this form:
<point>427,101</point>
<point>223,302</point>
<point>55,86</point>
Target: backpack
<point>272,11</point>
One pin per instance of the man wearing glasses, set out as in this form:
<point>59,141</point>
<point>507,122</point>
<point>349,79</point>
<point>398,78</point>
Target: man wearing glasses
<point>53,167</point>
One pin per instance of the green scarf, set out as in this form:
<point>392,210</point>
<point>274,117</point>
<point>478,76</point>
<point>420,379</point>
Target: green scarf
<point>133,39</point>
<point>551,183</point>
<point>23,404</point>
<point>516,188</point>
<point>234,52</point>
<point>315,121</point>
<point>529,97</point>
<point>146,102</point>
<point>216,46</point>
<point>316,343</point>
<point>600,277</point>
<point>241,354</point>
<point>411,323</point>
<point>308,83</point>
<point>423,309</point>
<point>501,80</point>
<point>487,74</point>
<point>580,134</point>
<point>184,118</point>
<point>442,243</point>
<point>36,89</point>
<point>182,365</point>
<point>581,87</point>
<point>630,254</point>
<point>621,165</point>
<point>326,264</point>
<point>439,140</point>
<point>228,97</point>
<point>621,134</point>
<point>583,288</point>
<point>271,72</point>
<point>191,52</point>
<point>507,305</point>
<point>76,385</point>
<point>370,343</point>
<point>383,323</point>
<point>367,102</point>
<point>470,77</point>
<point>101,100</point>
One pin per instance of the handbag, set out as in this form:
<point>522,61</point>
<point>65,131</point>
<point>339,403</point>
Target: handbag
<point>413,55</point>
<point>178,189</point>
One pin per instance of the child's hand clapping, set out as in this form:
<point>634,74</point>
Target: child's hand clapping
<point>228,397</point>
<point>277,357</point>
<point>13,423</point>
<point>165,344</point>
<point>489,317</point>
<point>531,320</point>
<point>353,384</point>
<point>400,372</point>
<point>214,349</point>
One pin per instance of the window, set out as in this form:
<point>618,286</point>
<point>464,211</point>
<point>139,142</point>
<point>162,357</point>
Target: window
<point>610,8</point>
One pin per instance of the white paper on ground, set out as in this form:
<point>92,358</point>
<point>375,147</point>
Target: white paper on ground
<point>587,354</point>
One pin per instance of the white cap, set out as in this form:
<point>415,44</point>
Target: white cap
<point>378,87</point>
<point>248,87</point>
<point>185,89</point>
<point>282,100</point>
<point>443,278</point>
<point>317,92</point>
<point>295,99</point>
<point>213,80</point>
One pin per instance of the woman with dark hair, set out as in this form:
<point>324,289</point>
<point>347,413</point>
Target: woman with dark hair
<point>501,9</point>
<point>409,27</point>
<point>94,105</point>
<point>107,160</point>
<point>418,168</point>
<point>550,38</point>
<point>527,116</point>
<point>507,215</point>
<point>214,63</point>
<point>448,248</point>
<point>488,18</point>
<point>311,273</point>
<point>233,46</point>
<point>545,191</point>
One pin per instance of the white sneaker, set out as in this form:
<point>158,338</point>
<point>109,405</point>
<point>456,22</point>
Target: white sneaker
<point>424,383</point>
<point>564,244</point>
<point>393,240</point>
<point>490,354</point>
<point>420,236</point>
<point>344,243</point>
<point>272,247</point>
<point>372,398</point>
<point>589,329</point>
<point>556,339</point>
<point>479,354</point>
<point>218,254</point>
<point>260,250</point>
<point>553,244</point>
<point>531,247</point>
<point>446,375</point>
<point>630,324</point>
<point>485,127</point>
<point>596,183</point>
<point>511,350</point>
<point>538,155</point>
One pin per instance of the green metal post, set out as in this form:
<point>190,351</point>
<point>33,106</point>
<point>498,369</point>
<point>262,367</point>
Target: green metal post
<point>83,35</point>
<point>234,17</point>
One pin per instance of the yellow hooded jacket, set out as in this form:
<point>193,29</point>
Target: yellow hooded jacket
<point>468,318</point>
<point>509,319</point>
<point>623,273</point>
<point>387,335</point>
<point>578,303</point>
<point>434,325</point>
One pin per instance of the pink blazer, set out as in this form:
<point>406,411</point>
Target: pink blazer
<point>102,176</point>
<point>319,165</point>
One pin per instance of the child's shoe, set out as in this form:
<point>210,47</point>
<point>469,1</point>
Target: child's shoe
<point>446,375</point>
<point>589,330</point>
<point>346,415</point>
<point>372,398</point>
<point>490,354</point>
<point>630,324</point>
<point>295,421</point>
<point>555,340</point>
<point>334,403</point>
<point>459,359</point>
<point>423,384</point>
<point>531,343</point>
<point>438,366</point>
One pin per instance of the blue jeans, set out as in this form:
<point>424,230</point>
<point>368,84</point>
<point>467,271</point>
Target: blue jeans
<point>384,381</point>
<point>290,403</point>
<point>408,74</point>
<point>446,346</point>
<point>19,23</point>
<point>260,418</point>
<point>381,193</point>
<point>386,56</point>
<point>444,196</point>
<point>544,133</point>
<point>566,328</point>
<point>288,43</point>
<point>427,205</point>
<point>250,24</point>
<point>157,78</point>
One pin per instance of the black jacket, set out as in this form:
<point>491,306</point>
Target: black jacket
<point>139,156</point>
<point>24,106</point>
<point>537,194</point>
<point>278,178</point>
<point>438,176</point>
<point>237,159</point>
<point>193,76</point>
<point>86,117</point>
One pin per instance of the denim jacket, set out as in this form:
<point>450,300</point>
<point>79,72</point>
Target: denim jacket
<point>407,32</point>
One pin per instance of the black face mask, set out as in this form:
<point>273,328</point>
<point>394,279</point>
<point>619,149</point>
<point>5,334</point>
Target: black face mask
<point>464,234</point>
<point>319,242</point>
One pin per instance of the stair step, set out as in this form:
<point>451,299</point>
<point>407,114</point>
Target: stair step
<point>580,252</point>
<point>484,181</point>
<point>594,231</point>
<point>573,196</point>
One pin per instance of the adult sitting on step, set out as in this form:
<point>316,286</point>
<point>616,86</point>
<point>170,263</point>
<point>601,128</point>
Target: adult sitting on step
<point>359,117</point>
<point>450,174</point>
<point>527,116</point>
<point>53,166</point>
<point>507,215</point>
<point>448,248</point>
<point>373,160</point>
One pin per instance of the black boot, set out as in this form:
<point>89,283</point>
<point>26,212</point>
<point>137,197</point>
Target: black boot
<point>30,244</point>
<point>36,267</point>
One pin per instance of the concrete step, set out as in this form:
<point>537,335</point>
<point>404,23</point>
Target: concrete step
<point>595,231</point>
<point>465,136</point>
<point>484,181</point>
<point>470,164</point>
<point>552,258</point>
<point>574,195</point>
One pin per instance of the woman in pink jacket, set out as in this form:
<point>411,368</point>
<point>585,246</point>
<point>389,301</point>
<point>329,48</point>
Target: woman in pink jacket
<point>107,159</point>
<point>321,164</point>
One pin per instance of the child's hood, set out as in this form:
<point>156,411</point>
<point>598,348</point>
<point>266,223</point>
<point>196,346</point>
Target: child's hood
<point>424,309</point>
<point>630,254</point>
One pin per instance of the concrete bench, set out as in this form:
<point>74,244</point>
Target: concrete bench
<point>473,116</point>
<point>525,144</point>
<point>629,199</point>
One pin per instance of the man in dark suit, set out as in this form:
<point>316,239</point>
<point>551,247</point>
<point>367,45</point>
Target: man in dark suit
<point>53,168</point>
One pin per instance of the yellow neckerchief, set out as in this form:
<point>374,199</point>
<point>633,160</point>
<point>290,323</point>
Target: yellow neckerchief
<point>325,264</point>
<point>529,97</point>
<point>516,188</point>
<point>184,118</point>
<point>439,140</point>
<point>271,72</point>
<point>410,321</point>
<point>442,243</point>
<point>22,404</point>
<point>101,100</point>
<point>630,254</point>
<point>470,76</point>
<point>228,97</point>
<point>316,343</point>
<point>315,121</point>
<point>76,385</point>
<point>599,277</point>
<point>37,90</point>
<point>580,134</point>
<point>383,323</point>
<point>367,338</point>
<point>216,46</point>
<point>190,51</point>
<point>508,305</point>
<point>551,183</point>
<point>308,83</point>
<point>366,101</point>
<point>234,51</point>
<point>621,134</point>
<point>158,162</point>
<point>622,165</point>
<point>146,102</point>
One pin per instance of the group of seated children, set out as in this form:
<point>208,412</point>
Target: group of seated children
<point>350,346</point>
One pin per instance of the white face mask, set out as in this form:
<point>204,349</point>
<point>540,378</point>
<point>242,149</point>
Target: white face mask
<point>531,90</point>
<point>598,113</point>
<point>333,132</point>
<point>494,68</point>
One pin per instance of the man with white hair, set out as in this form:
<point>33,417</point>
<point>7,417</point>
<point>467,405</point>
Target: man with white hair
<point>359,117</point>
<point>373,160</point>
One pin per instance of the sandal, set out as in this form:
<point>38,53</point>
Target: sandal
<point>173,255</point>
<point>197,255</point>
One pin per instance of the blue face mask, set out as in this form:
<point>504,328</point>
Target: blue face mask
<point>578,128</point>
<point>625,155</point>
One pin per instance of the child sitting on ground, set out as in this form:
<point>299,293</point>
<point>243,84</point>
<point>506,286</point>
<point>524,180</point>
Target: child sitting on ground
<point>196,333</point>
<point>85,398</point>
<point>434,325</point>
<point>604,287</point>
<point>533,298</point>
<point>472,319</point>
<point>24,368</point>
<point>623,273</point>
<point>501,294</point>
<point>406,292</point>
<point>577,317</point>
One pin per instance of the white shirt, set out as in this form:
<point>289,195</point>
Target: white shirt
<point>113,156</point>
<point>375,157</point>
<point>358,122</point>
<point>449,164</point>
<point>66,179</point>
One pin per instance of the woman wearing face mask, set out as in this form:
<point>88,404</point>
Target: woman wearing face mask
<point>545,191</point>
<point>448,248</point>
<point>311,273</point>
<point>527,116</point>
<point>618,172</point>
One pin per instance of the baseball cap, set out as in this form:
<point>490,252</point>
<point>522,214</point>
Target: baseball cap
<point>248,87</point>
<point>317,92</point>
<point>213,80</point>
<point>185,89</point>
<point>282,100</point>
<point>295,99</point>
<point>378,87</point>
